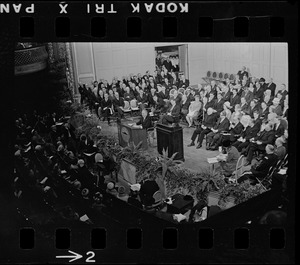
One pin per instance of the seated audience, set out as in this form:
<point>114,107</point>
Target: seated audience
<point>249,132</point>
<point>106,108</point>
<point>261,168</point>
<point>185,104</point>
<point>221,126</point>
<point>208,123</point>
<point>264,137</point>
<point>194,109</point>
<point>173,114</point>
<point>280,149</point>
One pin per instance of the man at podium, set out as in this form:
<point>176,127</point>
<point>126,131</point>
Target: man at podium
<point>145,121</point>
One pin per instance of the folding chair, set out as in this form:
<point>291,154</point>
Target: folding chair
<point>221,76</point>
<point>134,107</point>
<point>267,179</point>
<point>209,74</point>
<point>181,90</point>
<point>239,169</point>
<point>126,109</point>
<point>172,91</point>
<point>215,75</point>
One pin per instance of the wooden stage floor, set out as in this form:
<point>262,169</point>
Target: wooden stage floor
<point>195,159</point>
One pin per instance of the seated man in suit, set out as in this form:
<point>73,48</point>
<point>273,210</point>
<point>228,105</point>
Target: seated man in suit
<point>264,137</point>
<point>235,131</point>
<point>145,121</point>
<point>260,170</point>
<point>118,103</point>
<point>249,132</point>
<point>212,138</point>
<point>173,114</point>
<point>244,106</point>
<point>208,123</point>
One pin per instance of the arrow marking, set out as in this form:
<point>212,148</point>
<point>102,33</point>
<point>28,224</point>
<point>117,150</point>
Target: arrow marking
<point>72,258</point>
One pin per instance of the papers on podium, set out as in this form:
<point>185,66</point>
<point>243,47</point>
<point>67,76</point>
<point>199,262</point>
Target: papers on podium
<point>179,217</point>
<point>135,187</point>
<point>212,160</point>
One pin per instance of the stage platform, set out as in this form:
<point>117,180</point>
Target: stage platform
<point>195,159</point>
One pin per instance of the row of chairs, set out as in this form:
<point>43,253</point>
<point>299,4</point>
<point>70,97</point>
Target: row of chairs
<point>218,76</point>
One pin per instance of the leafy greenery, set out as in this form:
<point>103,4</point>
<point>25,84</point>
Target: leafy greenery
<point>169,174</point>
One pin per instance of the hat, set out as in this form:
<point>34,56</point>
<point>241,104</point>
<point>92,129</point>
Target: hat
<point>38,148</point>
<point>270,148</point>
<point>60,148</point>
<point>277,100</point>
<point>77,184</point>
<point>98,158</point>
<point>226,143</point>
<point>80,162</point>
<point>85,192</point>
<point>110,185</point>
<point>262,79</point>
<point>121,191</point>
<point>18,153</point>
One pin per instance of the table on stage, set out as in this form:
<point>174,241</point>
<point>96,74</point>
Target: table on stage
<point>129,132</point>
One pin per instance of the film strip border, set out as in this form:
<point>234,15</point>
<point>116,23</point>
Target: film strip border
<point>241,238</point>
<point>159,21</point>
<point>218,21</point>
<point>169,27</point>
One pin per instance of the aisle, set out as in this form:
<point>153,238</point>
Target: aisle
<point>195,159</point>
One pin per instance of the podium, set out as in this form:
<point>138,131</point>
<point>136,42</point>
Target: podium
<point>128,133</point>
<point>171,138</point>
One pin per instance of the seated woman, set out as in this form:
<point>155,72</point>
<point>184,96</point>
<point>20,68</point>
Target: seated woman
<point>173,114</point>
<point>194,109</point>
<point>228,165</point>
<point>185,106</point>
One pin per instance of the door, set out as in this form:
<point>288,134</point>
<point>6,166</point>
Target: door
<point>183,59</point>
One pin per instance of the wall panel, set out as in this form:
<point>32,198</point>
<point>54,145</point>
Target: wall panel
<point>84,64</point>
<point>119,59</point>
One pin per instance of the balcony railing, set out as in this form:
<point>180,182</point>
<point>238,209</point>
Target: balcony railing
<point>30,60</point>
